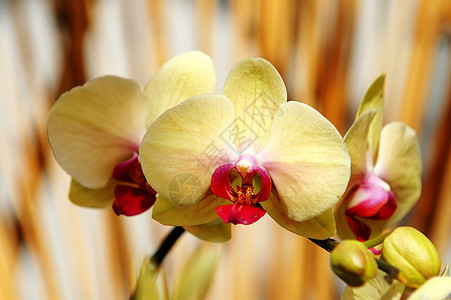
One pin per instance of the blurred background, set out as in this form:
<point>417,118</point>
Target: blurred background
<point>328,53</point>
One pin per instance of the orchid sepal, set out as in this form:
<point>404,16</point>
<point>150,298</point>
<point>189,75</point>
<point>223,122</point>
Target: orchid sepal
<point>256,90</point>
<point>92,198</point>
<point>374,99</point>
<point>182,77</point>
<point>170,214</point>
<point>320,227</point>
<point>215,231</point>
<point>356,139</point>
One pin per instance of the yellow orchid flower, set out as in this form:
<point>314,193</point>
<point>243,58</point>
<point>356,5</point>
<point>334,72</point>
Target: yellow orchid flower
<point>385,171</point>
<point>433,288</point>
<point>95,130</point>
<point>284,158</point>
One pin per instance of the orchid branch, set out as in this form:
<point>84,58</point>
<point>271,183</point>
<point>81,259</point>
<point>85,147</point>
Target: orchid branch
<point>166,245</point>
<point>392,272</point>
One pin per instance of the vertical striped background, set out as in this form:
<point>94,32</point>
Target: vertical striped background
<point>328,53</point>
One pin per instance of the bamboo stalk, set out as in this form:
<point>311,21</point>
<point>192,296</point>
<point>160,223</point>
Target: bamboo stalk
<point>425,211</point>
<point>120,261</point>
<point>333,88</point>
<point>275,32</point>
<point>293,268</point>
<point>324,289</point>
<point>9,249</point>
<point>77,261</point>
<point>428,29</point>
<point>431,202</point>
<point>156,12</point>
<point>278,264</point>
<point>304,72</point>
<point>441,222</point>
<point>244,21</point>
<point>206,12</point>
<point>73,21</point>
<point>30,221</point>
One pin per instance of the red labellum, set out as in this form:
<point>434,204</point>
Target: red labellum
<point>133,195</point>
<point>372,199</point>
<point>131,201</point>
<point>240,214</point>
<point>245,209</point>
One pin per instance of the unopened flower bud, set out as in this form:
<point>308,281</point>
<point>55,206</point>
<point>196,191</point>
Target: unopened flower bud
<point>353,262</point>
<point>413,254</point>
<point>151,283</point>
<point>372,199</point>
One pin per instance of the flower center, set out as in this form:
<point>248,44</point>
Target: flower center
<point>372,199</point>
<point>133,194</point>
<point>245,194</point>
<point>246,208</point>
<point>244,166</point>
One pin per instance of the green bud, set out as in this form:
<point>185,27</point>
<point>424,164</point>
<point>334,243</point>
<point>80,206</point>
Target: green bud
<point>151,283</point>
<point>413,254</point>
<point>195,278</point>
<point>353,262</point>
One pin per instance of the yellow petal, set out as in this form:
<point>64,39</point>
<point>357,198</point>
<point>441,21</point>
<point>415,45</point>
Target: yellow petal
<point>216,231</point>
<point>184,146</point>
<point>375,289</point>
<point>356,140</point>
<point>320,227</point>
<point>167,213</point>
<point>399,164</point>
<point>374,99</point>
<point>196,276</point>
<point>434,288</point>
<point>343,228</point>
<point>95,198</point>
<point>307,161</point>
<point>94,127</point>
<point>180,78</point>
<point>256,90</point>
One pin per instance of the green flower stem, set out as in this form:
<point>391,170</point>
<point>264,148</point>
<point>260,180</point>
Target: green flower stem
<point>392,272</point>
<point>327,244</point>
<point>376,241</point>
<point>166,245</point>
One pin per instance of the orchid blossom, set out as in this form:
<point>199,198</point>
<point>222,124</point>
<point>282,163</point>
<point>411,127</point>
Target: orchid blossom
<point>95,130</point>
<point>385,171</point>
<point>244,153</point>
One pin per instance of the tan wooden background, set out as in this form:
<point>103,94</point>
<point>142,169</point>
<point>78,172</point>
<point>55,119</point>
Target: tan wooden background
<point>328,53</point>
